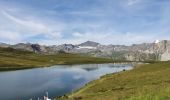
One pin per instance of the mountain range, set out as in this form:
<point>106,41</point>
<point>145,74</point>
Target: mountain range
<point>158,50</point>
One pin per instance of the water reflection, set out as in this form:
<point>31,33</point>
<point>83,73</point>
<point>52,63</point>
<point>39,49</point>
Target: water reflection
<point>57,80</point>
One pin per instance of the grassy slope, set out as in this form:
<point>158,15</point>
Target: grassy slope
<point>14,59</point>
<point>145,82</point>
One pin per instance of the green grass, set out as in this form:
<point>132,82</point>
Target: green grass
<point>11,59</point>
<point>144,82</point>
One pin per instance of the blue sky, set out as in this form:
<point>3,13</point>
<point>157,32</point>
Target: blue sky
<point>53,22</point>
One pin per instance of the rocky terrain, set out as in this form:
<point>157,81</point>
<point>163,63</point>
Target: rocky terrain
<point>158,50</point>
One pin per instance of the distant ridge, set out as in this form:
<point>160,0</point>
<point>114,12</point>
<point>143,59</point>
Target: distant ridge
<point>158,50</point>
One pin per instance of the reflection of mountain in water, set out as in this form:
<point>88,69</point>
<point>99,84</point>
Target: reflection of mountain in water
<point>86,67</point>
<point>90,67</point>
<point>93,67</point>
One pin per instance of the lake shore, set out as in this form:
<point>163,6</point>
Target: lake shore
<point>11,59</point>
<point>56,80</point>
<point>148,81</point>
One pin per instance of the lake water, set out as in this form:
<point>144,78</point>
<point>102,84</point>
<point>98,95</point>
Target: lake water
<point>57,80</point>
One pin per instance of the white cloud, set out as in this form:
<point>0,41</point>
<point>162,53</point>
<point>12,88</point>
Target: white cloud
<point>77,34</point>
<point>107,38</point>
<point>14,29</point>
<point>32,25</point>
<point>7,35</point>
<point>132,2</point>
<point>49,29</point>
<point>118,38</point>
<point>54,35</point>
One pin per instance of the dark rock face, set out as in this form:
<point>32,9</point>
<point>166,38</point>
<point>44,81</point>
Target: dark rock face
<point>68,47</point>
<point>65,47</point>
<point>36,47</point>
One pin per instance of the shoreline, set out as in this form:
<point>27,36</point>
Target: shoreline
<point>12,59</point>
<point>29,67</point>
<point>124,82</point>
<point>71,95</point>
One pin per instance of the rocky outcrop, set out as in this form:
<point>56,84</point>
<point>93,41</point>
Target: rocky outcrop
<point>22,46</point>
<point>30,47</point>
<point>165,56</point>
<point>162,48</point>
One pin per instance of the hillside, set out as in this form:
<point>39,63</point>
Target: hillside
<point>16,59</point>
<point>145,82</point>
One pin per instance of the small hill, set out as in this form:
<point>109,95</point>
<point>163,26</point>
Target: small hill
<point>18,59</point>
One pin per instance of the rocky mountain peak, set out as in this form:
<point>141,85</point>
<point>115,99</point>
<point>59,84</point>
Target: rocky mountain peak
<point>89,43</point>
<point>4,45</point>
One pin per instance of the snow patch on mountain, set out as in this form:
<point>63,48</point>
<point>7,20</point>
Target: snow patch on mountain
<point>157,41</point>
<point>86,47</point>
